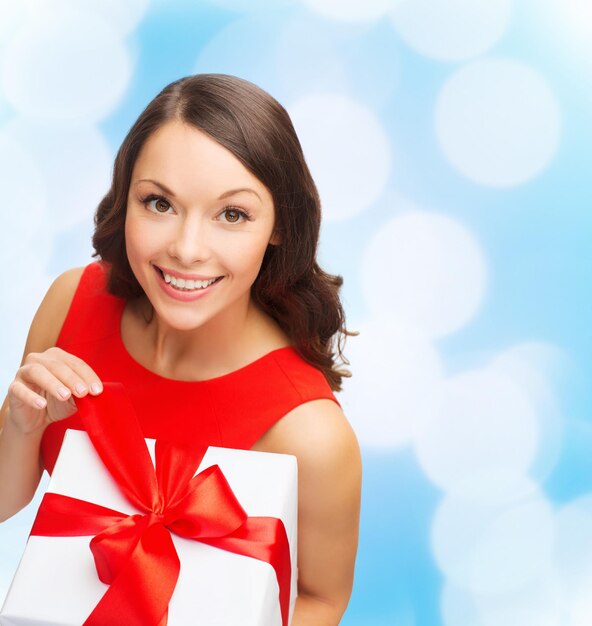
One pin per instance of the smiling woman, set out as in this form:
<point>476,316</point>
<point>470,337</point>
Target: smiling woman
<point>193,227</point>
<point>207,303</point>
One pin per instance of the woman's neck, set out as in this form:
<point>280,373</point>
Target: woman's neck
<point>222,345</point>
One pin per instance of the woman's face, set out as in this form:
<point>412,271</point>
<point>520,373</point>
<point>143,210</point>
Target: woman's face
<point>191,217</point>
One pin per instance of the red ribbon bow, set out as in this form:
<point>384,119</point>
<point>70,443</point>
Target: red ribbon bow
<point>135,554</point>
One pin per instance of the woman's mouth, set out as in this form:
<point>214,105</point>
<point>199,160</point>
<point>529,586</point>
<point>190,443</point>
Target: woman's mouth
<point>185,286</point>
<point>188,285</point>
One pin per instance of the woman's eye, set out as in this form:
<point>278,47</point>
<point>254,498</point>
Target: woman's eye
<point>161,205</point>
<point>233,215</point>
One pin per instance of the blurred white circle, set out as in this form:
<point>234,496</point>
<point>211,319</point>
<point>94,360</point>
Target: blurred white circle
<point>20,301</point>
<point>532,617</point>
<point>574,18</point>
<point>336,59</point>
<point>498,122</point>
<point>493,548</point>
<point>251,62</point>
<point>350,10</point>
<point>538,368</point>
<point>75,164</point>
<point>536,364</point>
<point>123,16</point>
<point>346,149</point>
<point>580,611</point>
<point>26,246</point>
<point>451,30</point>
<point>572,556</point>
<point>394,387</point>
<point>498,486</point>
<point>23,223</point>
<point>318,66</point>
<point>456,606</point>
<point>485,422</point>
<point>526,605</point>
<point>12,16</point>
<point>65,65</point>
<point>247,6</point>
<point>427,268</point>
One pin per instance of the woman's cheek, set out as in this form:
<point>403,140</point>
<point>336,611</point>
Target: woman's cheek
<point>144,233</point>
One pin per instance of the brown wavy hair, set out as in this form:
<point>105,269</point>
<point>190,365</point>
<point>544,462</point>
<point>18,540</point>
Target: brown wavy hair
<point>291,287</point>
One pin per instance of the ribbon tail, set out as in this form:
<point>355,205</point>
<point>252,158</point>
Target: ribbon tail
<point>265,539</point>
<point>175,467</point>
<point>141,592</point>
<point>113,427</point>
<point>61,516</point>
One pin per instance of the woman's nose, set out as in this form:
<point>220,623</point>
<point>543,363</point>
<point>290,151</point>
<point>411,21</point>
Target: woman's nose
<point>190,242</point>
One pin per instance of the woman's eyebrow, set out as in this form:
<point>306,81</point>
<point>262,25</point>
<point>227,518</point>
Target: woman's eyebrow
<point>231,192</point>
<point>226,194</point>
<point>155,182</point>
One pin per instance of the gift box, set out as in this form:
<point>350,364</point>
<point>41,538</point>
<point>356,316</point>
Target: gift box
<point>236,560</point>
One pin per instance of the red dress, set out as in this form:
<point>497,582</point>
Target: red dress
<point>232,411</point>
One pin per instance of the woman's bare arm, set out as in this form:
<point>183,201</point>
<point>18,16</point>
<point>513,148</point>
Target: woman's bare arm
<point>20,463</point>
<point>329,475</point>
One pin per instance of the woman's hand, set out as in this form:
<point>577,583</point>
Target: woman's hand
<point>43,388</point>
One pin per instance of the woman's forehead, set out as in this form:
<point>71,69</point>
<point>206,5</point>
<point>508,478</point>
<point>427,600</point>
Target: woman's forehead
<point>181,156</point>
<point>178,141</point>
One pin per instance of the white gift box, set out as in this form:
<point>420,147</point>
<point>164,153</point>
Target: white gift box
<point>56,582</point>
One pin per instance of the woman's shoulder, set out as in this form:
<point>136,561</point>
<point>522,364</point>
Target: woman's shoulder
<point>65,285</point>
<point>316,432</point>
<point>63,289</point>
<point>53,310</point>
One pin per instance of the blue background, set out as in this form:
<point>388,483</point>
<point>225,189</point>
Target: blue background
<point>510,222</point>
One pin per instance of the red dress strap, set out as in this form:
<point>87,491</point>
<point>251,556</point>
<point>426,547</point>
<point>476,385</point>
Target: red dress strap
<point>269,388</point>
<point>93,309</point>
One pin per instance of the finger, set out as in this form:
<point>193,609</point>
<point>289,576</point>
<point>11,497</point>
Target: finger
<point>86,374</point>
<point>17,389</point>
<point>41,376</point>
<point>73,372</point>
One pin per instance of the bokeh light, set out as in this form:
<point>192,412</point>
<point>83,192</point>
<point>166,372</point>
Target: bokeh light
<point>395,387</point>
<point>350,10</point>
<point>65,65</point>
<point>351,61</point>
<point>243,6</point>
<point>427,268</point>
<point>24,229</point>
<point>572,556</point>
<point>121,16</point>
<point>75,164</point>
<point>249,61</point>
<point>453,30</point>
<point>347,151</point>
<point>498,122</point>
<point>484,422</point>
<point>539,370</point>
<point>531,603</point>
<point>576,18</point>
<point>12,16</point>
<point>493,547</point>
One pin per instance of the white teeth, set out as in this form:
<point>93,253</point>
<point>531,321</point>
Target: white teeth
<point>187,285</point>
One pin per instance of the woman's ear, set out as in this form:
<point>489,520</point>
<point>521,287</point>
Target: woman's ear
<point>275,238</point>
